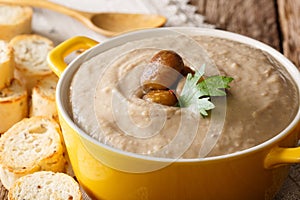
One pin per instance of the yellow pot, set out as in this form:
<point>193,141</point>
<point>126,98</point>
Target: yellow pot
<point>107,173</point>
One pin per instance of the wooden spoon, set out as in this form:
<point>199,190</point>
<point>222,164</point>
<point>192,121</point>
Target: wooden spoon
<point>108,24</point>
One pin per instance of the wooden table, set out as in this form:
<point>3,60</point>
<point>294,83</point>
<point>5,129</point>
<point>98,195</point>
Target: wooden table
<point>275,22</point>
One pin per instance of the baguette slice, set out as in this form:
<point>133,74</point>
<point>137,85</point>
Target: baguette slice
<point>33,144</point>
<point>43,98</point>
<point>45,185</point>
<point>13,105</point>
<point>7,64</point>
<point>14,20</point>
<point>30,52</point>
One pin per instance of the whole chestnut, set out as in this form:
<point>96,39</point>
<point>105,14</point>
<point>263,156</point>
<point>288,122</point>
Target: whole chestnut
<point>162,71</point>
<point>164,97</point>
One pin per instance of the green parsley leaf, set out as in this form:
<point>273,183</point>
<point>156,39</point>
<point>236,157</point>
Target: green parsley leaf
<point>214,85</point>
<point>196,95</point>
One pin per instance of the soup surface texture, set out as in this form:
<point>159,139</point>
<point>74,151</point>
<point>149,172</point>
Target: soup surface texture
<point>106,101</point>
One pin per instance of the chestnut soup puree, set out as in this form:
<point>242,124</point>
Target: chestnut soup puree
<point>115,99</point>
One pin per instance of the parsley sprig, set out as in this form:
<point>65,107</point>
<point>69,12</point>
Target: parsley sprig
<point>196,95</point>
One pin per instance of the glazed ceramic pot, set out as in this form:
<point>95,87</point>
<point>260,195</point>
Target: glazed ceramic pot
<point>108,173</point>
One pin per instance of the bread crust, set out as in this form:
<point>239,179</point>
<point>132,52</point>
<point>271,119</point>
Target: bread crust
<point>30,53</point>
<point>33,144</point>
<point>43,98</point>
<point>7,64</point>
<point>45,185</point>
<point>21,25</point>
<point>13,105</point>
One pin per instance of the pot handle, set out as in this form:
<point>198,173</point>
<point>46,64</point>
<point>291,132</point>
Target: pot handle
<point>57,55</point>
<point>281,156</point>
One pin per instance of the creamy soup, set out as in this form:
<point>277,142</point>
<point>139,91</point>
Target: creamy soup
<point>106,99</point>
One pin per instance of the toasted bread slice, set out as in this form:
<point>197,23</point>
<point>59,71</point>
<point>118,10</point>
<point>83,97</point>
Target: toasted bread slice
<point>13,105</point>
<point>30,52</point>
<point>14,20</point>
<point>7,64</point>
<point>33,144</point>
<point>43,98</point>
<point>45,185</point>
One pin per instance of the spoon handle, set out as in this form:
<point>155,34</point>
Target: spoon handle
<point>83,17</point>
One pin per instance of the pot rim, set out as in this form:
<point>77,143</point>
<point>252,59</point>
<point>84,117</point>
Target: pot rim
<point>136,35</point>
